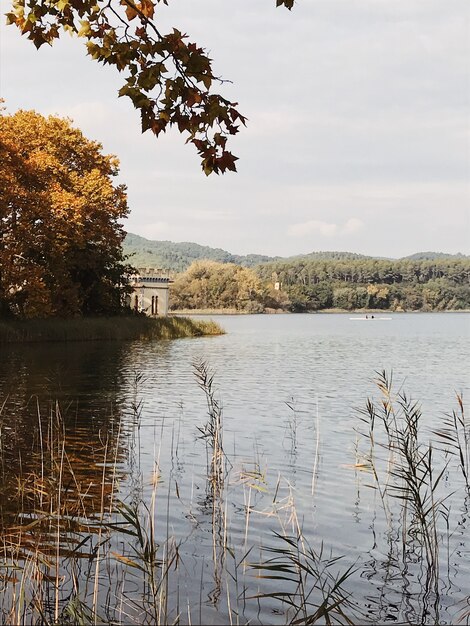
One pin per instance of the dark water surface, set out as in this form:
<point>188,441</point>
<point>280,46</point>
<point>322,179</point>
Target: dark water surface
<point>290,387</point>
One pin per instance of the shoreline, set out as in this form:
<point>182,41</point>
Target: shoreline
<point>205,312</point>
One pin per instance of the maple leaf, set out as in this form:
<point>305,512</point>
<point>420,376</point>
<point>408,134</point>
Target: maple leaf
<point>165,72</point>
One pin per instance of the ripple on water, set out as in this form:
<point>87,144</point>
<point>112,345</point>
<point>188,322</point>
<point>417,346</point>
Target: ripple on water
<point>289,387</point>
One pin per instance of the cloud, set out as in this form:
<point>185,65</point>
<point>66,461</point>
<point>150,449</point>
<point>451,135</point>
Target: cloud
<point>353,225</point>
<point>313,226</point>
<point>156,230</point>
<point>210,215</point>
<point>325,229</point>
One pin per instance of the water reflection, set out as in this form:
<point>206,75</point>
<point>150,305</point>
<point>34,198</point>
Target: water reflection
<point>86,428</point>
<point>62,444</point>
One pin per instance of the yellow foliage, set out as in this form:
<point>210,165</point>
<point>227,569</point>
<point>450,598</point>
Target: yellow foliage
<point>60,239</point>
<point>209,284</point>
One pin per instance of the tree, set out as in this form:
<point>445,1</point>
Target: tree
<point>168,78</point>
<point>60,237</point>
<point>208,284</point>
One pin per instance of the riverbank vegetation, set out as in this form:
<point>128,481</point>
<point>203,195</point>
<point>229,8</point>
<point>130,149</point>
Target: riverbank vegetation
<point>303,285</point>
<point>121,328</point>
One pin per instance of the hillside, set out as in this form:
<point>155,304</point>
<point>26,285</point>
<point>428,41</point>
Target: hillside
<point>433,256</point>
<point>329,256</point>
<point>177,257</point>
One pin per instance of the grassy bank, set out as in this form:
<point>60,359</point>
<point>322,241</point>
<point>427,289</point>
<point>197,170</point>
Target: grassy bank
<point>96,329</point>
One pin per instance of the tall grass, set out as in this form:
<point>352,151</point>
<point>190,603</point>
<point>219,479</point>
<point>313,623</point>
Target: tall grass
<point>54,523</point>
<point>97,329</point>
<point>217,473</point>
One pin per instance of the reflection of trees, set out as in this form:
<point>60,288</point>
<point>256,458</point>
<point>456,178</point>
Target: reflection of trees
<point>62,485</point>
<point>69,431</point>
<point>61,449</point>
<point>78,371</point>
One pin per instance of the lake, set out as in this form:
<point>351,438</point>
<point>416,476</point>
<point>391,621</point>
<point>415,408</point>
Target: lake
<point>90,431</point>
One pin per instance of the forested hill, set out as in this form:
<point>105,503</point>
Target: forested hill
<point>177,257</point>
<point>433,256</point>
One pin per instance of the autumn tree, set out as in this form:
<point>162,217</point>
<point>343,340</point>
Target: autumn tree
<point>168,77</point>
<point>60,236</point>
<point>208,284</point>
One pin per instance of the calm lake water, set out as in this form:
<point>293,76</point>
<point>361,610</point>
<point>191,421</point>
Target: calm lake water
<point>290,388</point>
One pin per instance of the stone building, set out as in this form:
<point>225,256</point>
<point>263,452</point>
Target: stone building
<point>150,293</point>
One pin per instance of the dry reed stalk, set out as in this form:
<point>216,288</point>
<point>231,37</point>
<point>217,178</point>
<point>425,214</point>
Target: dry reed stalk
<point>100,529</point>
<point>58,542</point>
<point>317,447</point>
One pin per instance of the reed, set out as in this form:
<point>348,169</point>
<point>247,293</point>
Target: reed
<point>455,433</point>
<point>147,556</point>
<point>124,328</point>
<point>409,475</point>
<point>218,467</point>
<point>311,588</point>
<point>55,522</point>
<point>212,431</point>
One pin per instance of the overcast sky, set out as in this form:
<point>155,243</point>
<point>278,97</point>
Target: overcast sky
<point>358,136</point>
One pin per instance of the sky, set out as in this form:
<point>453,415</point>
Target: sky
<point>358,135</point>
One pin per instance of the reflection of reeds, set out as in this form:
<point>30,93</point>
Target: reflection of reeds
<point>410,476</point>
<point>292,425</point>
<point>311,588</point>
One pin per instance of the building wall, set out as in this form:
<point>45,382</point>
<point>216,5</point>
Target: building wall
<point>150,293</point>
<point>142,296</point>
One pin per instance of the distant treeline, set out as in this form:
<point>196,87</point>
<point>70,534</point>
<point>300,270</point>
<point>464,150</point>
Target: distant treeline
<point>366,271</point>
<point>441,284</point>
<point>313,285</point>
